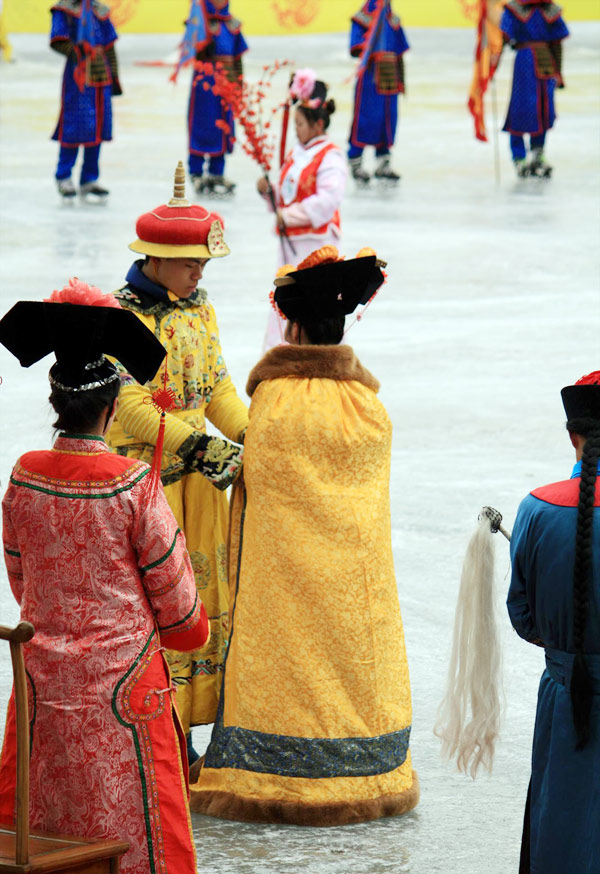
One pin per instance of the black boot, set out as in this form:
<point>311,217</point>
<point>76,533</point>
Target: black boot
<point>216,186</point>
<point>384,170</point>
<point>538,165</point>
<point>521,167</point>
<point>359,174</point>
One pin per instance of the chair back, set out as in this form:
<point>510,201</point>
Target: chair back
<point>23,632</point>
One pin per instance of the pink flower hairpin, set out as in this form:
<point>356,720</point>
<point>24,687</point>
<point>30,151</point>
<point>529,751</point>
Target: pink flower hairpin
<point>303,84</point>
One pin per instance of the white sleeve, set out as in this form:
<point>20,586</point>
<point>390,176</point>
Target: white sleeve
<point>296,216</point>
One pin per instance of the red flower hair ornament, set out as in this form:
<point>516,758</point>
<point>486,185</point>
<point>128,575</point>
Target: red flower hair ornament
<point>78,292</point>
<point>592,378</point>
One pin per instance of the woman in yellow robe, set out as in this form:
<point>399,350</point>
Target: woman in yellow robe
<point>178,239</point>
<point>315,713</point>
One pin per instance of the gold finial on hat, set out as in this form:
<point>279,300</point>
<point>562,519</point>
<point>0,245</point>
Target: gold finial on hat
<point>178,198</point>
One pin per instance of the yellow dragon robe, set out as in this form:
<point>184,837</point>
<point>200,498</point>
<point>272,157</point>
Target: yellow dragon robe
<point>198,376</point>
<point>315,713</point>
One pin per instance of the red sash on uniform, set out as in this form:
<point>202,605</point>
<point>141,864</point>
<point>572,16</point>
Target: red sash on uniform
<point>307,186</point>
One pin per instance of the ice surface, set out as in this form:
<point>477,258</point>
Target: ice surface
<point>492,305</point>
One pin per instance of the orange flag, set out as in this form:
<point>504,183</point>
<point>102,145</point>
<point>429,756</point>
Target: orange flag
<point>487,14</point>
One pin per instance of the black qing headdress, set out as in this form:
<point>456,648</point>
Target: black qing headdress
<point>80,335</point>
<point>330,290</point>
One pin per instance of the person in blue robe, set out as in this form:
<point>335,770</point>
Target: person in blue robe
<point>83,32</point>
<point>209,143</point>
<point>535,30</point>
<point>377,38</point>
<point>554,602</point>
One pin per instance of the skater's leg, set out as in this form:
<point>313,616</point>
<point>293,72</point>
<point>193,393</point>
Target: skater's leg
<point>538,141</point>
<point>517,147</point>
<point>355,154</point>
<point>90,171</point>
<point>216,165</point>
<point>538,165</point>
<point>196,168</point>
<point>214,182</point>
<point>384,168</point>
<point>518,152</point>
<point>67,156</point>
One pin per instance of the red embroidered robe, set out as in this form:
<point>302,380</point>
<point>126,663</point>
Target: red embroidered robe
<point>103,574</point>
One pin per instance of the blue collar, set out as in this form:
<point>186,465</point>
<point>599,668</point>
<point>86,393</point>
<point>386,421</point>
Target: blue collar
<point>577,470</point>
<point>138,279</point>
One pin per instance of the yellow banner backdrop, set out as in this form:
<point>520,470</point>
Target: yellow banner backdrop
<point>265,16</point>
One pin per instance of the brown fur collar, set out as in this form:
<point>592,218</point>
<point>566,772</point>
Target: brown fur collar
<point>225,805</point>
<point>310,362</point>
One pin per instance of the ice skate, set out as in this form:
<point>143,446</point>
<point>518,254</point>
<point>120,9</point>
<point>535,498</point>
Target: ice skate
<point>521,167</point>
<point>359,174</point>
<point>65,187</point>
<point>216,186</point>
<point>384,171</point>
<point>538,165</point>
<point>93,190</point>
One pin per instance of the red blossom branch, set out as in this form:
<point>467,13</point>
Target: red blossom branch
<point>246,103</point>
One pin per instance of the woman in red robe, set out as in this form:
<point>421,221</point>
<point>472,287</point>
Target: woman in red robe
<point>100,568</point>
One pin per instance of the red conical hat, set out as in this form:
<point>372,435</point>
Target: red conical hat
<point>178,229</point>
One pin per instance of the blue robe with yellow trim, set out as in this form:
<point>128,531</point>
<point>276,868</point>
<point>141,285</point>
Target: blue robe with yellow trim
<point>565,794</point>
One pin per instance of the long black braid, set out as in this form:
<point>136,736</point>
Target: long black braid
<point>581,684</point>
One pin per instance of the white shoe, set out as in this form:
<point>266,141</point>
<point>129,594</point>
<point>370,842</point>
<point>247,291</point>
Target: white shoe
<point>94,189</point>
<point>66,187</point>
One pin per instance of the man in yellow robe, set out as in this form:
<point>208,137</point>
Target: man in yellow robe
<point>178,239</point>
<point>315,713</point>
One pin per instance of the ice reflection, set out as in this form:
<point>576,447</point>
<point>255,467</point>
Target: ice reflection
<point>243,848</point>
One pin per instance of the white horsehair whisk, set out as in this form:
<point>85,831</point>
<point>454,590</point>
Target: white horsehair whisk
<point>468,719</point>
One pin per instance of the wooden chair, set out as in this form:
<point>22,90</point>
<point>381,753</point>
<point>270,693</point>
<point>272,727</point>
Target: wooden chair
<point>22,851</point>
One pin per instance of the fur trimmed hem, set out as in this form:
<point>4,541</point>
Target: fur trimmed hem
<point>310,362</point>
<point>225,805</point>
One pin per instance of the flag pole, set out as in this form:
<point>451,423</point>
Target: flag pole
<point>496,132</point>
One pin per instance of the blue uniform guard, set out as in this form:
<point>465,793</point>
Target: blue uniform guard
<point>206,139</point>
<point>83,32</point>
<point>535,30</point>
<point>554,602</point>
<point>378,39</point>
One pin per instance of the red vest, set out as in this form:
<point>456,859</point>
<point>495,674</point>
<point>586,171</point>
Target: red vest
<point>307,186</point>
